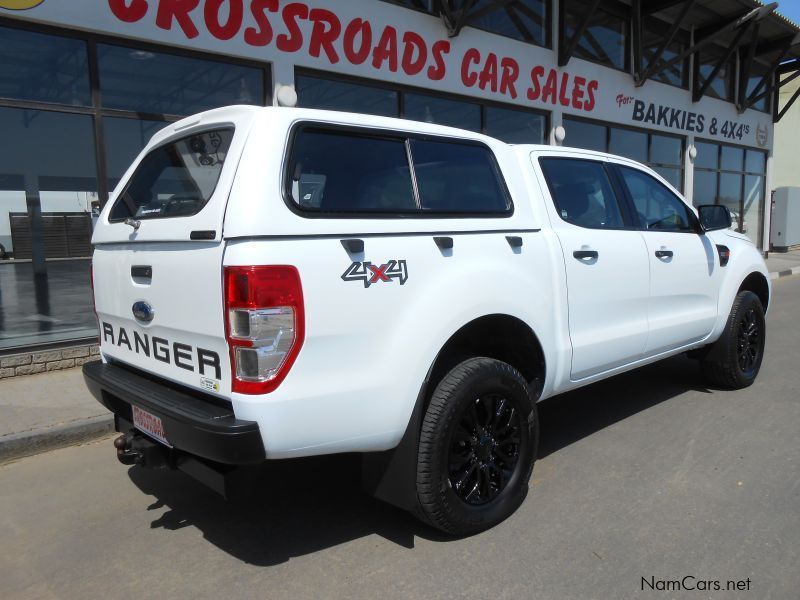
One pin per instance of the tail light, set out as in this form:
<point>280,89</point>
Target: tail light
<point>264,325</point>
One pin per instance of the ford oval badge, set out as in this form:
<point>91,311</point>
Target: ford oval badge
<point>143,311</point>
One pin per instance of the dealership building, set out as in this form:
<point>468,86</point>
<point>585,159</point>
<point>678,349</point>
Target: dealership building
<point>689,87</point>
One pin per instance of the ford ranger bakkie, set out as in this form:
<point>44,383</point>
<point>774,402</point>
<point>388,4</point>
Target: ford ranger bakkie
<point>276,282</point>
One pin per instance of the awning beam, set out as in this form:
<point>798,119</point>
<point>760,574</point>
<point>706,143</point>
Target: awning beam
<point>640,75</point>
<point>455,19</point>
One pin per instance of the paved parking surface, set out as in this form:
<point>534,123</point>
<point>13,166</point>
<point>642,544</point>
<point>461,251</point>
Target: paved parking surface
<point>648,475</point>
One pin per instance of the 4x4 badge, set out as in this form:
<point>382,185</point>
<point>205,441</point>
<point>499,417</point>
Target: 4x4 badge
<point>369,273</point>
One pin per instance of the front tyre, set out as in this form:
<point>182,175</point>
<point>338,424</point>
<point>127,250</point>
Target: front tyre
<point>735,359</point>
<point>477,447</point>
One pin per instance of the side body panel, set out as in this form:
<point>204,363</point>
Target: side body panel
<point>369,348</point>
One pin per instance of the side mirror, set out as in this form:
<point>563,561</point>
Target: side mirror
<point>714,217</point>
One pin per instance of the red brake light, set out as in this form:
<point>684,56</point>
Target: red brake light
<point>264,325</point>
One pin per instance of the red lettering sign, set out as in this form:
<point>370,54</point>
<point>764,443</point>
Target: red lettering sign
<point>321,32</point>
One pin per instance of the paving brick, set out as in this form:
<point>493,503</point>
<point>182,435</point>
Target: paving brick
<point>57,365</point>
<point>15,361</point>
<point>75,352</point>
<point>44,357</point>
<point>30,369</point>
<point>9,372</point>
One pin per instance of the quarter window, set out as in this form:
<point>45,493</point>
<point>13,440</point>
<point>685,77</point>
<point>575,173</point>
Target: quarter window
<point>582,193</point>
<point>657,207</point>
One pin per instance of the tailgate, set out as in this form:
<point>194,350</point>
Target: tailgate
<point>178,287</point>
<point>157,266</point>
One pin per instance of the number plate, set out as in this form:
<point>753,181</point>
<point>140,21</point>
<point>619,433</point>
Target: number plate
<point>150,424</point>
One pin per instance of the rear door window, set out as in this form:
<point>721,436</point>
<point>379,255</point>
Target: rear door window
<point>582,192</point>
<point>458,178</point>
<point>176,179</point>
<point>335,171</point>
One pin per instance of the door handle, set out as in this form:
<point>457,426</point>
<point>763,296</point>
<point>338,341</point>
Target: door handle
<point>584,254</point>
<point>663,253</point>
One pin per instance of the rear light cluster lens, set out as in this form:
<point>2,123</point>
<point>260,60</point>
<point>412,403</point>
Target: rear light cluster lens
<point>264,324</point>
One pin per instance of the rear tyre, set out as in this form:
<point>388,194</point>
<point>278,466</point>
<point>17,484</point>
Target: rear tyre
<point>477,447</point>
<point>735,359</point>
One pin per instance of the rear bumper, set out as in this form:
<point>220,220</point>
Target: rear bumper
<point>191,424</point>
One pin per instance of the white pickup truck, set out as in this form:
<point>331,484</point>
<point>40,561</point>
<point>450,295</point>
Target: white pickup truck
<point>274,283</point>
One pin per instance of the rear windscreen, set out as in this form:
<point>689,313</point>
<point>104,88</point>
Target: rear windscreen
<point>176,179</point>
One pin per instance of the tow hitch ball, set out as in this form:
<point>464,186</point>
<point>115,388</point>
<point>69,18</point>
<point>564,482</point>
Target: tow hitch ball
<point>125,452</point>
<point>134,449</point>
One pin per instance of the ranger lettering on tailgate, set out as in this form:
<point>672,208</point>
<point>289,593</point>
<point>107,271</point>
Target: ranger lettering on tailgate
<point>183,355</point>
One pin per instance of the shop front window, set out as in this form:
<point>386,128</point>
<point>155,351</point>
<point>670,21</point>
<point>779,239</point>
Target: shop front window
<point>48,189</point>
<point>55,125</point>
<point>443,111</point>
<point>757,72</point>
<point>43,68</point>
<point>514,126</point>
<point>166,84</point>
<point>722,85</point>
<point>589,136</point>
<point>675,74</point>
<point>524,20</point>
<point>662,153</point>
<point>734,177</point>
<point>628,143</point>
<point>330,94</point>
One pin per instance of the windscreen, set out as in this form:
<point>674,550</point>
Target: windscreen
<point>176,179</point>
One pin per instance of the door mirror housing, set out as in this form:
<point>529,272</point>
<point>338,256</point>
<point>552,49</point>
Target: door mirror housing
<point>714,217</point>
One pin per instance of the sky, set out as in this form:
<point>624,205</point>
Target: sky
<point>790,9</point>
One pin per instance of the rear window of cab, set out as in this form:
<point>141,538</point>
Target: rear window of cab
<point>344,172</point>
<point>176,179</point>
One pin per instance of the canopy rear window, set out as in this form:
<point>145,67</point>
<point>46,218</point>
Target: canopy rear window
<point>176,179</point>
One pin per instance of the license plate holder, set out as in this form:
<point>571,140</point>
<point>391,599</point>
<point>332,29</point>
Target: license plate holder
<point>150,424</point>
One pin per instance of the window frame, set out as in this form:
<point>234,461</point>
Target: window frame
<point>628,220</point>
<point>395,134</point>
<point>694,222</point>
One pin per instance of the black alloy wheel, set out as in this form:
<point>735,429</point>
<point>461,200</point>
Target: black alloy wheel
<point>484,449</point>
<point>749,341</point>
<point>477,447</point>
<point>734,360</point>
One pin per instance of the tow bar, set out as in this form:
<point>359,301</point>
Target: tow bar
<point>136,449</point>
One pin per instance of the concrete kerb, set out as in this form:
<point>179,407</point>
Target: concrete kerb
<point>28,443</point>
<point>785,273</point>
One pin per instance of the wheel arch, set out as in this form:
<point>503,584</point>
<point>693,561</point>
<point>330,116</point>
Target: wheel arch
<point>499,336</point>
<point>756,282</point>
<point>391,475</point>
